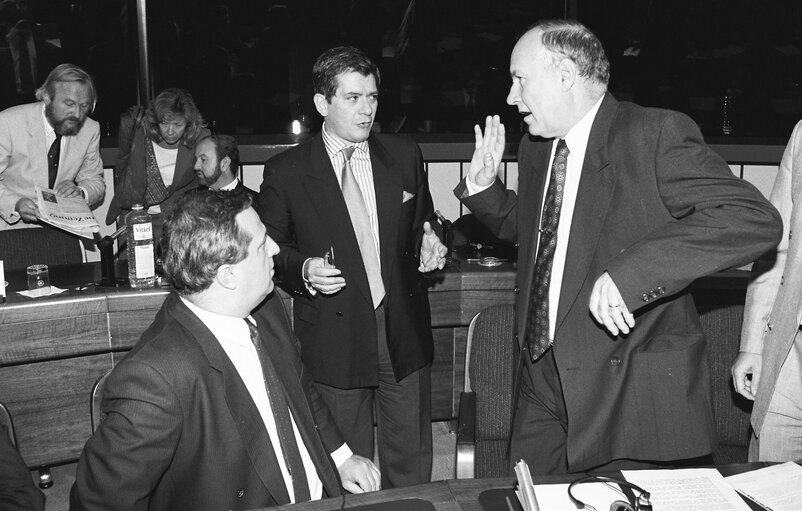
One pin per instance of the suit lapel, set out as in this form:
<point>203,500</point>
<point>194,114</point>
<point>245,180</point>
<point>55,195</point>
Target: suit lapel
<point>533,185</point>
<point>327,198</point>
<point>274,331</point>
<point>592,202</point>
<point>240,404</point>
<point>389,195</point>
<point>37,146</point>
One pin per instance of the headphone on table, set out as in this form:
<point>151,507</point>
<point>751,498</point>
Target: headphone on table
<point>635,503</point>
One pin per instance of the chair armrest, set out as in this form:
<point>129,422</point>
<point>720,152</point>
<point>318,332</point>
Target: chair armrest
<point>466,436</point>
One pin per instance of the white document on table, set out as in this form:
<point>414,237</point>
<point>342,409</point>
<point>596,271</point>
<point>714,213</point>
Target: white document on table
<point>690,489</point>
<point>554,497</point>
<point>777,488</point>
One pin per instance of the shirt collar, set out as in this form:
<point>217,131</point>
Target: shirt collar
<point>578,135</point>
<point>50,132</point>
<point>230,186</point>
<point>227,329</point>
<point>335,144</point>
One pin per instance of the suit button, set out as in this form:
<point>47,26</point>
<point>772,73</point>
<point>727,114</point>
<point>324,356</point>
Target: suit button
<point>516,290</point>
<point>769,326</point>
<point>653,294</point>
<point>240,493</point>
<point>615,362</point>
<point>517,245</point>
<point>339,314</point>
<point>790,233</point>
<point>661,290</point>
<point>782,280</point>
<point>645,297</point>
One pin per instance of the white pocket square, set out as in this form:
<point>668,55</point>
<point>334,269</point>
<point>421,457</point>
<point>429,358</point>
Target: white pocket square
<point>407,196</point>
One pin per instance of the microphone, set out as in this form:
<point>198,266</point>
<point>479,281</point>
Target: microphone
<point>106,247</point>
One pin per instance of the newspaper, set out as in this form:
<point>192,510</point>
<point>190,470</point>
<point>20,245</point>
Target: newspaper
<point>775,487</point>
<point>71,214</point>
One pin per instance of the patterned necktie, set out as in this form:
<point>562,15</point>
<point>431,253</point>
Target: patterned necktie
<point>281,413</point>
<point>537,329</point>
<point>53,156</point>
<point>364,233</point>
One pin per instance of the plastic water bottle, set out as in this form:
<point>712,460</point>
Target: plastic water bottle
<point>141,260</point>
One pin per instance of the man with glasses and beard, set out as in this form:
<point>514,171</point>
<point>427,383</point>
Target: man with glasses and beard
<point>52,144</point>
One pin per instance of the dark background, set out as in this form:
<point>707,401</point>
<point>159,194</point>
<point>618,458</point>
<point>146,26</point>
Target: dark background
<point>735,66</point>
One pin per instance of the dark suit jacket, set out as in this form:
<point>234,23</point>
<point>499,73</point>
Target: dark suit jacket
<point>17,491</point>
<point>656,208</point>
<point>130,171</point>
<point>181,430</point>
<point>303,208</point>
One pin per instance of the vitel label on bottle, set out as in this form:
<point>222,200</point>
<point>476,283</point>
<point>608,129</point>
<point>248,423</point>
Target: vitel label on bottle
<point>143,232</point>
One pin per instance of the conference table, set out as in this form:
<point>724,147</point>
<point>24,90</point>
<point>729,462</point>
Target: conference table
<point>462,494</point>
<point>53,349</point>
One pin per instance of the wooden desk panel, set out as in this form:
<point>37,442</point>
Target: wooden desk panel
<point>52,329</point>
<point>131,313</point>
<point>49,404</point>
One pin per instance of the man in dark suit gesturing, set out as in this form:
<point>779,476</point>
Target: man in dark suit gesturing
<point>363,318</point>
<point>621,208</point>
<point>213,409</point>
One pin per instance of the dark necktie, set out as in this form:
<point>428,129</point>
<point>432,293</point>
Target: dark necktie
<point>364,233</point>
<point>53,156</point>
<point>281,413</point>
<point>537,329</point>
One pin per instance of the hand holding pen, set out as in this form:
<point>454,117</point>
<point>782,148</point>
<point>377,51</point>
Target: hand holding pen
<point>322,275</point>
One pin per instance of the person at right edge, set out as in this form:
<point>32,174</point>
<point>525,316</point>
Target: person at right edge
<point>635,207</point>
<point>768,368</point>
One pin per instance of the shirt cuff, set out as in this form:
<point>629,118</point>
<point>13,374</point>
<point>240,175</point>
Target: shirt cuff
<point>341,455</point>
<point>473,188</point>
<point>84,193</point>
<point>307,284</point>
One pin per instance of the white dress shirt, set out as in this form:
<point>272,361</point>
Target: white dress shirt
<point>235,338</point>
<point>363,173</point>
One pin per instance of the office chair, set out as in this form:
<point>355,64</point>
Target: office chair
<point>721,324</point>
<point>485,411</point>
<point>21,247</point>
<point>95,412</point>
<point>5,420</point>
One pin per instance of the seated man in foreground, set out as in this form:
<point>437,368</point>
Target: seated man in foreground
<point>193,420</point>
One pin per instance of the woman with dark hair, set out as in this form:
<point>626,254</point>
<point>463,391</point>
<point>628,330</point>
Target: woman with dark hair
<point>156,156</point>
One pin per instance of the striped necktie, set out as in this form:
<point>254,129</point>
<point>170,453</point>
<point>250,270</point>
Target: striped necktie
<point>364,233</point>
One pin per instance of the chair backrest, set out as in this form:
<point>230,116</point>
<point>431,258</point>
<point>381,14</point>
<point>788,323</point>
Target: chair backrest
<point>491,358</point>
<point>722,328</point>
<point>21,247</point>
<point>95,411</point>
<point>5,420</point>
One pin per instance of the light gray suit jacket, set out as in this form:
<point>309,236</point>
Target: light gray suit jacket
<point>23,160</point>
<point>773,310</point>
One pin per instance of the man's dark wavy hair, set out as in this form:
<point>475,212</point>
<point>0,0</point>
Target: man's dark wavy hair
<point>336,61</point>
<point>201,235</point>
